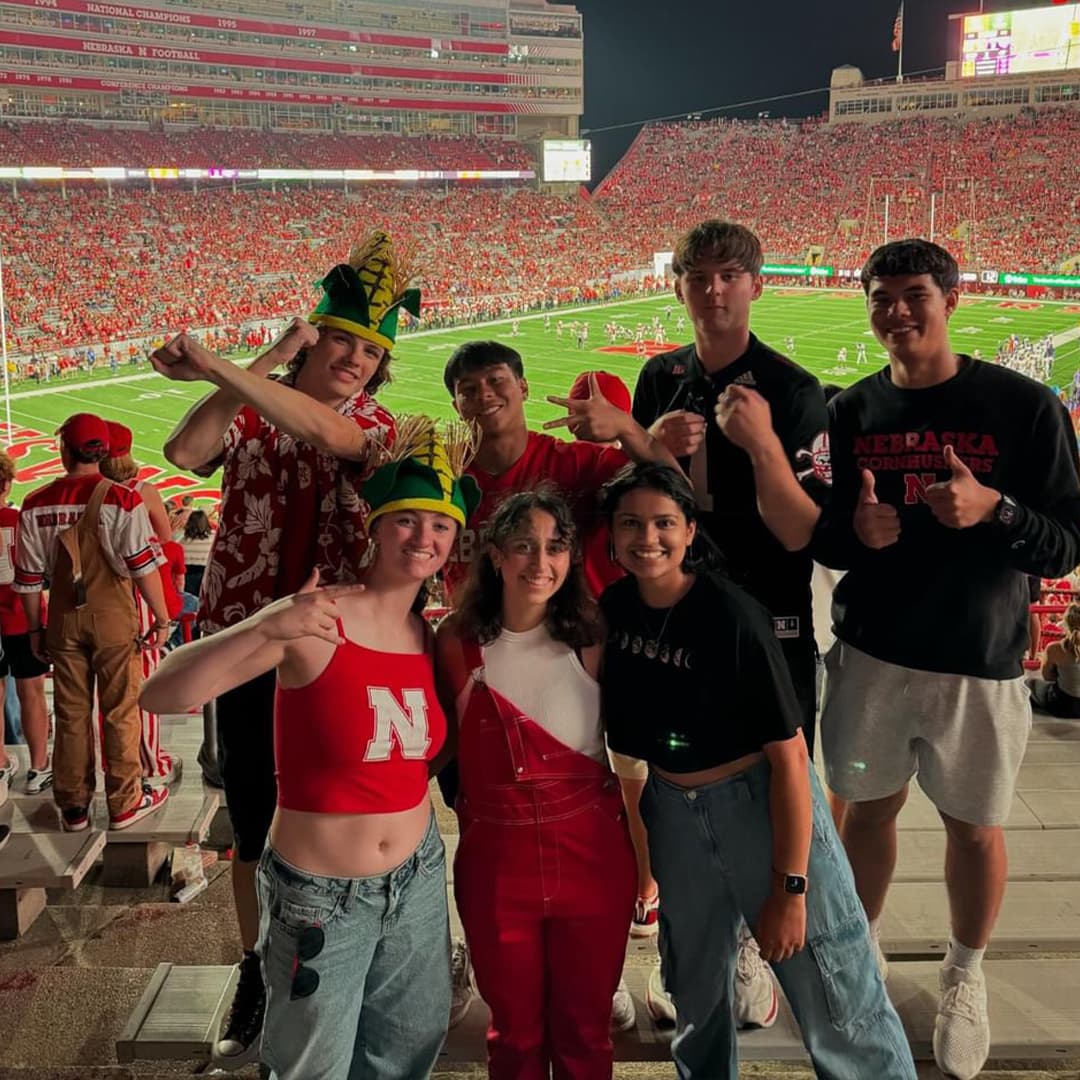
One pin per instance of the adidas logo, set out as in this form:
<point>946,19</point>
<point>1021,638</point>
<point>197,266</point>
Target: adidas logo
<point>745,379</point>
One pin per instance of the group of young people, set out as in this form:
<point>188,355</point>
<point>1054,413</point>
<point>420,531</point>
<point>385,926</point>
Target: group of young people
<point>643,592</point>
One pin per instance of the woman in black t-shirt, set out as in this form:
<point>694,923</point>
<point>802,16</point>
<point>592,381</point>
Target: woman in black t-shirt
<point>695,683</point>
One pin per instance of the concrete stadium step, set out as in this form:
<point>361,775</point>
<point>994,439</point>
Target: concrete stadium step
<point>1036,916</point>
<point>1058,776</point>
<point>1050,729</point>
<point>30,863</point>
<point>1054,809</point>
<point>1034,1009</point>
<point>1045,855</point>
<point>132,856</point>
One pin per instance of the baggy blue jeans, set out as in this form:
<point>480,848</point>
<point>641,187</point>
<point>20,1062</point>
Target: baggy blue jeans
<point>711,850</point>
<point>381,1005</point>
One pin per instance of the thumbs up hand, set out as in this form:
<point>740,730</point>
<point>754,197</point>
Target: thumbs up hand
<point>961,501</point>
<point>877,525</point>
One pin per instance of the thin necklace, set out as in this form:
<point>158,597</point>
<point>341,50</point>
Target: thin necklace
<point>653,642</point>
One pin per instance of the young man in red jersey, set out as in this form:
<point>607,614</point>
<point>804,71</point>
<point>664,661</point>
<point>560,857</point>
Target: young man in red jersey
<point>487,381</point>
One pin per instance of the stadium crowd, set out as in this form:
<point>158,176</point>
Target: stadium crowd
<point>808,189</point>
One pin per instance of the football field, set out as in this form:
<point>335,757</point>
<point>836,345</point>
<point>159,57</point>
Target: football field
<point>820,321</point>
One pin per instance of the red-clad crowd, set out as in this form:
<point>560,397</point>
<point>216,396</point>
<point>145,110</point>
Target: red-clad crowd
<point>76,145</point>
<point>1005,189</point>
<point>87,265</point>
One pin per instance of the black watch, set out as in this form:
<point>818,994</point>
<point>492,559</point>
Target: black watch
<point>1006,512</point>
<point>794,884</point>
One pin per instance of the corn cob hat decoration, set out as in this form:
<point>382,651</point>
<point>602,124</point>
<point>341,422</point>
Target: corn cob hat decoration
<point>364,295</point>
<point>425,471</point>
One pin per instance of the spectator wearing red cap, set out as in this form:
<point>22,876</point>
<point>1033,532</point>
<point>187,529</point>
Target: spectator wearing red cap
<point>121,468</point>
<point>91,538</point>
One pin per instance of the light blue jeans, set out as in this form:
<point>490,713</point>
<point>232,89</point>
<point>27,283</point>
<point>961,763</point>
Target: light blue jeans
<point>711,850</point>
<point>382,1003</point>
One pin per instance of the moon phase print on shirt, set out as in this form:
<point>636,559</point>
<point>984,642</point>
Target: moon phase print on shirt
<point>651,648</point>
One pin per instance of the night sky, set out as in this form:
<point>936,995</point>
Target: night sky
<point>698,54</point>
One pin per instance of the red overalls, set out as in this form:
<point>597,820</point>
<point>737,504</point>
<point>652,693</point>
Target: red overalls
<point>545,882</point>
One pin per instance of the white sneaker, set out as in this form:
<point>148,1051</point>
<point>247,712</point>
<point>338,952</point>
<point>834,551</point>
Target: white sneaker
<point>756,1000</point>
<point>623,1013</point>
<point>658,1000</point>
<point>462,988</point>
<point>9,771</point>
<point>962,1026</point>
<point>37,781</point>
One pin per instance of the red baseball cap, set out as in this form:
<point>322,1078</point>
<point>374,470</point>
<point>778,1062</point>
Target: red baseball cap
<point>611,386</point>
<point>119,439</point>
<point>85,431</point>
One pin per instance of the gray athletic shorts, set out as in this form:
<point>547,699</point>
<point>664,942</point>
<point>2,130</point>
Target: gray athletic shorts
<point>964,737</point>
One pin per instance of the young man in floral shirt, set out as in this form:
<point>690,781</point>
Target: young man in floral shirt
<point>295,452</point>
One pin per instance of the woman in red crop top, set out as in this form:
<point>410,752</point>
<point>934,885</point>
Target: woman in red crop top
<point>545,876</point>
<point>354,931</point>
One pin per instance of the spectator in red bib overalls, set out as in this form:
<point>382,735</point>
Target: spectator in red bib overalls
<point>545,876</point>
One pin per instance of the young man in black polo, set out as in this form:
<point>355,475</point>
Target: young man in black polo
<point>953,479</point>
<point>694,400</point>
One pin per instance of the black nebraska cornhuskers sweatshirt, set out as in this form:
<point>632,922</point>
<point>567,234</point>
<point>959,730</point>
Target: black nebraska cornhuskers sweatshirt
<point>942,599</point>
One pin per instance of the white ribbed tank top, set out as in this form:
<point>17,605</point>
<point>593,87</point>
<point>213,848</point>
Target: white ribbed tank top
<point>545,679</point>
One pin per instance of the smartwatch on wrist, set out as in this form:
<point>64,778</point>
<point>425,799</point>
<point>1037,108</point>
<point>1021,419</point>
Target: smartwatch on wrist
<point>1005,513</point>
<point>793,884</point>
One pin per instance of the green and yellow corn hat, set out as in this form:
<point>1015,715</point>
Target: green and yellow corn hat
<point>365,294</point>
<point>426,471</point>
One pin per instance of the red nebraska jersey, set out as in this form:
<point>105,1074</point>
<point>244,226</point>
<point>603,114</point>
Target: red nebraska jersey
<point>578,470</point>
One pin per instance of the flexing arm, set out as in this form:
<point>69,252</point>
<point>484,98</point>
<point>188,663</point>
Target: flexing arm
<point>198,439</point>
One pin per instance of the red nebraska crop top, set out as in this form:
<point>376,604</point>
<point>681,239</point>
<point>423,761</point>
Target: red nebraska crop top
<point>357,740</point>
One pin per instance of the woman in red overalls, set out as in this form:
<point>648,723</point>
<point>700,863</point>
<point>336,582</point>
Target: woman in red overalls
<point>544,877</point>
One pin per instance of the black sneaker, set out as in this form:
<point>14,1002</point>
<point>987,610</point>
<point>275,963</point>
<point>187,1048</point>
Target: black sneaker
<point>211,770</point>
<point>241,1040</point>
<point>75,818</point>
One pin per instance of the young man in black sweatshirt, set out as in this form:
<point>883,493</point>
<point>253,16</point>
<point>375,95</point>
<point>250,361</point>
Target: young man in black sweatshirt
<point>952,480</point>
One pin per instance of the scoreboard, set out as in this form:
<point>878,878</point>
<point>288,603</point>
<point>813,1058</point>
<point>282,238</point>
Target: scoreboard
<point>567,160</point>
<point>1019,42</point>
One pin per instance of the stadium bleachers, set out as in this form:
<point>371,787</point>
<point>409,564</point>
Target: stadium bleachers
<point>91,265</point>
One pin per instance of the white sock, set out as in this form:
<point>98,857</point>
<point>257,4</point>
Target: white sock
<point>960,956</point>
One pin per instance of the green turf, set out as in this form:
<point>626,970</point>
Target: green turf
<point>820,321</point>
